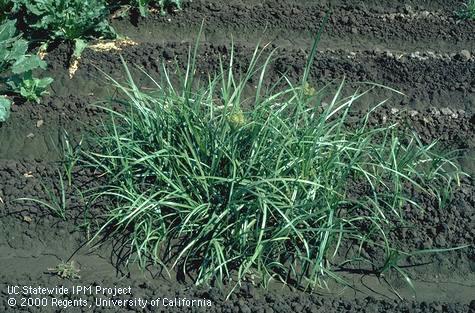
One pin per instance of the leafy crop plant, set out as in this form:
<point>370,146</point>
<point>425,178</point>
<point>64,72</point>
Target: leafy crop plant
<point>71,20</point>
<point>202,178</point>
<point>143,5</point>
<point>16,69</point>
<point>468,11</point>
<point>5,6</point>
<point>67,19</point>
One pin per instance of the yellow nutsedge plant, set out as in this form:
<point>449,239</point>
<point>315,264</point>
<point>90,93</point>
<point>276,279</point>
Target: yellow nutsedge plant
<point>308,90</point>
<point>237,119</point>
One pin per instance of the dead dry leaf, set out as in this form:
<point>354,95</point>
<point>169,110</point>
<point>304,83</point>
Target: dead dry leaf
<point>27,219</point>
<point>73,67</point>
<point>112,45</point>
<point>42,54</point>
<point>42,51</point>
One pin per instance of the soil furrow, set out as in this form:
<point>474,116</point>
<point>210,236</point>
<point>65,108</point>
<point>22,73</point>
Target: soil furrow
<point>22,138</point>
<point>427,79</point>
<point>295,25</point>
<point>376,5</point>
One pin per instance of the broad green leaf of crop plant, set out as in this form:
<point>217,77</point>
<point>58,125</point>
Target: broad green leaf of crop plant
<point>5,7</point>
<point>79,46</point>
<point>16,67</point>
<point>5,105</point>
<point>70,20</point>
<point>11,46</point>
<point>143,5</point>
<point>467,12</point>
<point>29,87</point>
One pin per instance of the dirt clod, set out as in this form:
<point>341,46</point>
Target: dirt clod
<point>466,55</point>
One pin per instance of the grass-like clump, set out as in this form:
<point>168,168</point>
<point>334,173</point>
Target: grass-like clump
<point>224,186</point>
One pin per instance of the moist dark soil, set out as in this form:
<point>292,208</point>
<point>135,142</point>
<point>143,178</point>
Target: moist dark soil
<point>417,47</point>
<point>358,26</point>
<point>426,79</point>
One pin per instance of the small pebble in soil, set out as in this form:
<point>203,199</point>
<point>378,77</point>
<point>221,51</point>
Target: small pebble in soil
<point>446,111</point>
<point>408,9</point>
<point>465,54</point>
<point>413,113</point>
